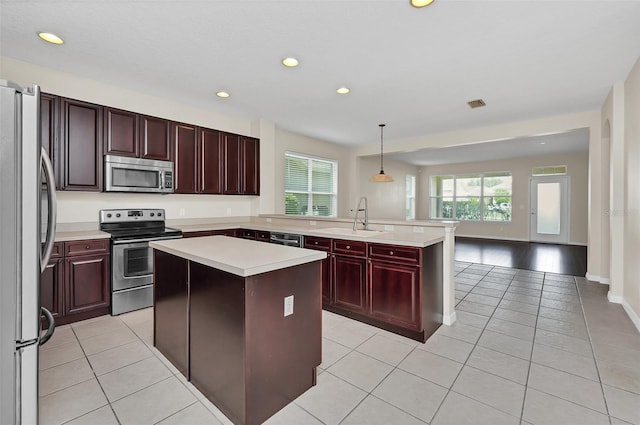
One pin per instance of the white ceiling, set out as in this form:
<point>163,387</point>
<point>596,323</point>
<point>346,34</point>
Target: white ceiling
<point>413,69</point>
<point>568,142</point>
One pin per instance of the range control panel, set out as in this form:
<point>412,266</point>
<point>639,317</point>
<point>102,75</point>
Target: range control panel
<point>121,216</point>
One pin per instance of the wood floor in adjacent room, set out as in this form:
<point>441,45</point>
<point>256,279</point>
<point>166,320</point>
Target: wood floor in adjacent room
<point>542,257</point>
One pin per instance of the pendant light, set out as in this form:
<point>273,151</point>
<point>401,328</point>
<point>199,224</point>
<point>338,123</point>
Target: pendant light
<point>381,177</point>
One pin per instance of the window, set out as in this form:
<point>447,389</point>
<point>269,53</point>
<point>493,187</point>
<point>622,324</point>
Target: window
<point>473,197</point>
<point>310,185</point>
<point>410,212</point>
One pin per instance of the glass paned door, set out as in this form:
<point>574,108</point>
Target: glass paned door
<point>549,209</point>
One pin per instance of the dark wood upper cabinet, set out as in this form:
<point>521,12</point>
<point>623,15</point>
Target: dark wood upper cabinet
<point>155,138</point>
<point>211,161</point>
<point>81,143</point>
<point>120,133</point>
<point>185,145</point>
<point>49,130</point>
<point>250,166</point>
<point>232,164</point>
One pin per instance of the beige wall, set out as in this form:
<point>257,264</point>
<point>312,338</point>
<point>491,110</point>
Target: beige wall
<point>518,228</point>
<point>386,200</point>
<point>84,206</point>
<point>286,141</point>
<point>632,212</point>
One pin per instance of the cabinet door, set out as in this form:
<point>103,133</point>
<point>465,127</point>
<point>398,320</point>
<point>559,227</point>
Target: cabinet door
<point>120,133</point>
<point>322,244</point>
<point>81,146</point>
<point>232,164</point>
<point>52,288</point>
<point>349,283</point>
<point>250,166</point>
<point>394,293</point>
<point>211,161</point>
<point>86,283</point>
<point>185,144</point>
<point>155,138</point>
<point>49,119</point>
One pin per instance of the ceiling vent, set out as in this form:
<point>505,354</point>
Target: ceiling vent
<point>478,103</point>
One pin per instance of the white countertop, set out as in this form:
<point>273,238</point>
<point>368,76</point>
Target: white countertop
<point>81,235</point>
<point>428,237</point>
<point>238,256</point>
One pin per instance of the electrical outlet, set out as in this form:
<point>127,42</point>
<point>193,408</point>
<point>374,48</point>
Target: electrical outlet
<point>312,223</point>
<point>388,227</point>
<point>182,212</point>
<point>288,305</point>
<point>269,220</point>
<point>418,229</point>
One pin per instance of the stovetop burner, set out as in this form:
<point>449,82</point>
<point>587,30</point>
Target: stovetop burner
<point>136,224</point>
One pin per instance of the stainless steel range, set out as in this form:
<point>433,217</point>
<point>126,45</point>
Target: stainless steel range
<point>131,258</point>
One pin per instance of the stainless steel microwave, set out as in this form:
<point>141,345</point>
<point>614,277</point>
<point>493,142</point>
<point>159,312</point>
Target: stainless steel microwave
<point>125,174</point>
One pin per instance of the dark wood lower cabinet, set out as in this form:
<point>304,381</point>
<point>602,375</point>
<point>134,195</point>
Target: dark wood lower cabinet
<point>350,282</point>
<point>394,293</point>
<point>76,286</point>
<point>241,352</point>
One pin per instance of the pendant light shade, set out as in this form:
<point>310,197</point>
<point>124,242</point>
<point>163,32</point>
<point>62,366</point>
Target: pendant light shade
<point>381,177</point>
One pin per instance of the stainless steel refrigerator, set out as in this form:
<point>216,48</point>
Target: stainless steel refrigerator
<point>25,174</point>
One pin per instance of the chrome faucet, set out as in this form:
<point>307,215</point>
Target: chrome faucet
<point>366,214</point>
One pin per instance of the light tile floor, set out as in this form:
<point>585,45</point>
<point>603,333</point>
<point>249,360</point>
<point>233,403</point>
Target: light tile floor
<point>520,352</point>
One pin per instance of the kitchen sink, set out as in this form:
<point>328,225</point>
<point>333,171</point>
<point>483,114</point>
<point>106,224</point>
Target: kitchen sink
<point>350,232</point>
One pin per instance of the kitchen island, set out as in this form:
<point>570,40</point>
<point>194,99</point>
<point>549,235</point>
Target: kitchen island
<point>242,320</point>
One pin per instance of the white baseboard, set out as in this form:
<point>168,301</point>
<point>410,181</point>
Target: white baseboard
<point>594,278</point>
<point>449,320</point>
<point>632,314</point>
<point>615,298</point>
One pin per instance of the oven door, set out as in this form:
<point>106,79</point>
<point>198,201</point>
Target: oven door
<point>132,265</point>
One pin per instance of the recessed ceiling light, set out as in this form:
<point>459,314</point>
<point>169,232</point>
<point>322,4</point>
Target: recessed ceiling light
<point>343,90</point>
<point>50,37</point>
<point>543,143</point>
<point>420,3</point>
<point>223,94</point>
<point>290,62</point>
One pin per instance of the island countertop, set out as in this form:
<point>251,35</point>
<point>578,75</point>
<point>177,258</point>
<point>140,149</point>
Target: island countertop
<point>240,257</point>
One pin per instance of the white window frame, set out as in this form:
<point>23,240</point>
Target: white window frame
<point>310,192</point>
<point>455,197</point>
<point>410,204</point>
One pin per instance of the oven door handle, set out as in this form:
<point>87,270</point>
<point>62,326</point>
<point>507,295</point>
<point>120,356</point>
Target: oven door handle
<point>132,241</point>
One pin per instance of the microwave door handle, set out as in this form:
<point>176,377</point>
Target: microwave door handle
<point>161,180</point>
<point>51,210</point>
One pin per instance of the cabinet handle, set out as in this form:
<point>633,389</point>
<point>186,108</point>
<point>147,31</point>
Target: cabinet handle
<point>390,252</point>
<point>87,247</point>
<point>316,242</point>
<point>348,246</point>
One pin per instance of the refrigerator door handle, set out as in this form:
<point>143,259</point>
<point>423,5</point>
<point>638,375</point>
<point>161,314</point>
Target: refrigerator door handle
<point>51,210</point>
<point>52,325</point>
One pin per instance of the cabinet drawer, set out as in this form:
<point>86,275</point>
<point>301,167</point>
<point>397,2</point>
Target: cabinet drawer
<point>57,250</point>
<point>247,234</point>
<point>263,236</point>
<point>395,253</point>
<point>321,244</point>
<point>89,246</point>
<point>355,248</point>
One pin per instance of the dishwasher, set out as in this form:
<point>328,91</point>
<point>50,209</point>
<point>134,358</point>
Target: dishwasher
<point>288,239</point>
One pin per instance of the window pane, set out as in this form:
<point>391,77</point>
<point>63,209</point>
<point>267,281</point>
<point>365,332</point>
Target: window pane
<point>323,205</point>
<point>549,208</point>
<point>468,208</point>
<point>296,174</point>
<point>497,184</point>
<point>296,203</point>
<point>322,176</point>
<point>468,186</point>
<point>497,208</point>
<point>442,186</point>
<point>441,207</point>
